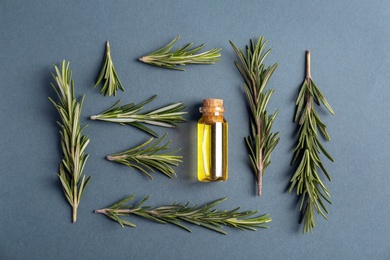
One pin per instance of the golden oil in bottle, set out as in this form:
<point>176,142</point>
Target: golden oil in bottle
<point>212,142</point>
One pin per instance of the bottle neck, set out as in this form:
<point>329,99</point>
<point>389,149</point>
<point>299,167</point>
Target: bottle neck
<point>212,110</point>
<point>212,114</point>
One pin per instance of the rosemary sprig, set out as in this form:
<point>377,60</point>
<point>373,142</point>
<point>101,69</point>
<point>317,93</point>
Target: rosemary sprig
<point>73,143</point>
<point>146,158</point>
<point>167,116</point>
<point>109,75</point>
<point>262,141</point>
<point>306,179</point>
<point>181,56</point>
<point>176,213</point>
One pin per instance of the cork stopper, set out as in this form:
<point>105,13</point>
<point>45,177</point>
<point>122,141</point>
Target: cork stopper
<point>212,110</point>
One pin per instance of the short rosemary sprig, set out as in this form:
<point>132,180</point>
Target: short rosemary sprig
<point>262,141</point>
<point>149,156</point>
<point>167,116</point>
<point>306,179</point>
<point>108,75</point>
<point>73,143</point>
<point>205,216</point>
<point>181,56</point>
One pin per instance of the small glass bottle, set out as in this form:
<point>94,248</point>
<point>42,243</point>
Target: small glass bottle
<point>212,142</point>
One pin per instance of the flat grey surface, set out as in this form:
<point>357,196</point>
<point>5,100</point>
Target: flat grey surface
<point>349,42</point>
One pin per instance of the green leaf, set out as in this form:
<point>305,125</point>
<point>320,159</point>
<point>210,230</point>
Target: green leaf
<point>122,202</point>
<point>127,223</point>
<point>145,129</point>
<point>82,188</point>
<point>67,189</point>
<point>322,98</point>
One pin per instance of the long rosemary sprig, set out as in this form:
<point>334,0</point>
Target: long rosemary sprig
<point>306,178</point>
<point>149,156</point>
<point>73,143</point>
<point>176,213</point>
<point>167,116</point>
<point>181,56</point>
<point>262,141</point>
<point>108,75</point>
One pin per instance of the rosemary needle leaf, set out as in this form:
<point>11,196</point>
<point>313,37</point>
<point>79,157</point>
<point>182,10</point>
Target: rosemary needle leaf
<point>306,180</point>
<point>73,142</point>
<point>169,116</point>
<point>205,216</point>
<point>166,58</point>
<point>256,76</point>
<point>148,157</point>
<point>108,75</point>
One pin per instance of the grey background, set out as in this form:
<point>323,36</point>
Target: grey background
<point>349,42</point>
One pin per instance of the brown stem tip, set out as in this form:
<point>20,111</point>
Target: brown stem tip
<point>308,64</point>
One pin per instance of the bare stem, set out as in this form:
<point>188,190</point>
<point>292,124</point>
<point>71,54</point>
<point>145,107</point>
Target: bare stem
<point>145,59</point>
<point>259,182</point>
<point>101,211</point>
<point>308,102</point>
<point>254,90</point>
<point>259,161</point>
<point>74,219</point>
<point>117,211</point>
<point>260,158</point>
<point>115,157</point>
<point>75,204</point>
<point>308,76</point>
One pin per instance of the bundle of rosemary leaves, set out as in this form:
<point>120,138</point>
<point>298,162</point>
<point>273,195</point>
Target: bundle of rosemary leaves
<point>73,142</point>
<point>109,75</point>
<point>168,116</point>
<point>205,216</point>
<point>256,75</point>
<point>306,179</point>
<point>168,59</point>
<point>149,156</point>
